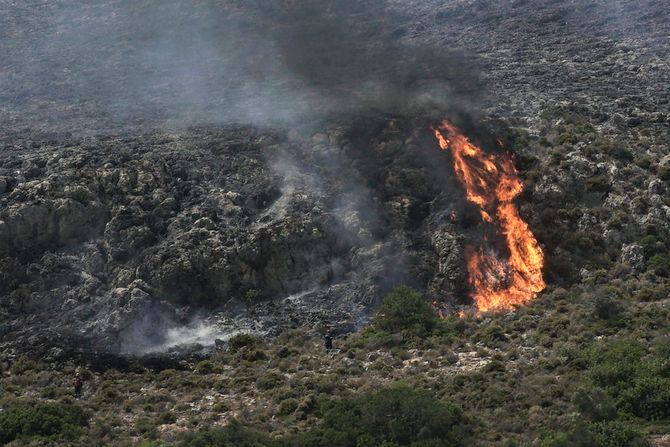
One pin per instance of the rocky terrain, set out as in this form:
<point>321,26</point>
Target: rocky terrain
<point>161,195</point>
<point>131,237</point>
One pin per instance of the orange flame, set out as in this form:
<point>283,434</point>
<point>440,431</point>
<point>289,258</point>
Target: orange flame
<point>491,182</point>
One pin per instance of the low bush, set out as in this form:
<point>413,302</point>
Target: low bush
<point>167,417</point>
<point>595,404</point>
<point>607,307</point>
<point>288,406</point>
<point>636,379</point>
<point>233,435</point>
<point>390,417</point>
<point>615,434</point>
<point>240,341</point>
<point>405,310</point>
<point>53,420</point>
<point>394,416</point>
<point>206,367</point>
<point>660,265</point>
<point>664,173</point>
<point>22,364</point>
<point>597,434</point>
<point>146,427</point>
<point>598,183</point>
<point>269,381</point>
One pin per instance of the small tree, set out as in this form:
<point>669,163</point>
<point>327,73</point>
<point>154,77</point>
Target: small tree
<point>240,341</point>
<point>405,310</point>
<point>252,297</point>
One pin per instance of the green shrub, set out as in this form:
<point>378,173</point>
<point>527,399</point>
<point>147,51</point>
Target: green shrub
<point>598,434</point>
<point>636,380</point>
<point>614,148</point>
<point>598,183</point>
<point>22,365</point>
<point>651,245</point>
<point>146,427</point>
<point>491,333</point>
<point>405,310</point>
<point>650,293</point>
<point>206,367</point>
<point>269,381</point>
<point>54,392</point>
<point>285,352</point>
<point>615,362</point>
<point>252,355</point>
<point>240,341</point>
<point>615,434</point>
<point>568,138</point>
<point>233,435</point>
<point>595,404</point>
<point>607,307</point>
<point>252,297</point>
<point>622,153</point>
<point>660,265</point>
<point>288,406</point>
<point>579,436</point>
<point>647,397</point>
<point>55,420</point>
<point>392,416</point>
<point>644,162</point>
<point>167,417</point>
<point>664,172</point>
<point>514,139</point>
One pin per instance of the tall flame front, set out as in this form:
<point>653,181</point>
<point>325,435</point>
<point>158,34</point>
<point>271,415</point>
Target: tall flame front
<point>491,182</point>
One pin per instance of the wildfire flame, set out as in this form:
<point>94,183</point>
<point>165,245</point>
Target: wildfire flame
<point>491,182</point>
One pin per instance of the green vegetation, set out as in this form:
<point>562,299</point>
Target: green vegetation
<point>600,434</point>
<point>594,353</point>
<point>636,378</point>
<point>240,341</point>
<point>390,417</point>
<point>50,421</point>
<point>234,435</point>
<point>405,311</point>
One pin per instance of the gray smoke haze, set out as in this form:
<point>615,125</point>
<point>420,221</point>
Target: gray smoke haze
<point>96,66</point>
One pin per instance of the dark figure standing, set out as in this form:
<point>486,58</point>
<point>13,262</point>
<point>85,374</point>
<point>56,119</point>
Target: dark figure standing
<point>77,383</point>
<point>328,339</point>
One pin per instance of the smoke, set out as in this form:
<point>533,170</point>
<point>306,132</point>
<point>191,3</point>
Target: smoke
<point>99,66</point>
<point>157,330</point>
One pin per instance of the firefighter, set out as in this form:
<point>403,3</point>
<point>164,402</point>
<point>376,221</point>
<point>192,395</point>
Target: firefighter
<point>78,384</point>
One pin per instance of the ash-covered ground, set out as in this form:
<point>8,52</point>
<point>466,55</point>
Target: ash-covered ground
<point>176,172</point>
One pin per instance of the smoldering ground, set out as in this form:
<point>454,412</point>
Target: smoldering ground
<point>109,65</point>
